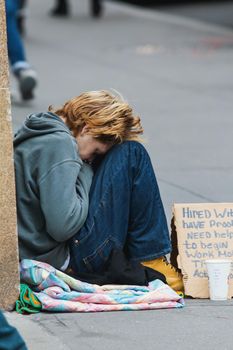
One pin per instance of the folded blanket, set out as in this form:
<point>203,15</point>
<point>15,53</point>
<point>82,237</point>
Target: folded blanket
<point>57,291</point>
<point>27,302</point>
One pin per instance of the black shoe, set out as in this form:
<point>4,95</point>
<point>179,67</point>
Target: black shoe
<point>27,82</point>
<point>96,8</point>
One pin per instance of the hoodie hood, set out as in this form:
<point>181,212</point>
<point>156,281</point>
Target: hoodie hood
<point>40,124</point>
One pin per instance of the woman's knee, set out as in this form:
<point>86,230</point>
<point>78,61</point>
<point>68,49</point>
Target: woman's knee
<point>135,154</point>
<point>128,158</point>
<point>126,150</point>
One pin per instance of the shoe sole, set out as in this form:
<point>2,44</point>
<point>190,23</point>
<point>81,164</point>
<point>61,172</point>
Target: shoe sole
<point>26,86</point>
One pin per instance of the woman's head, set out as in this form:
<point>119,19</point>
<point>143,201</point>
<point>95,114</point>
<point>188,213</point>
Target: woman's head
<point>108,118</point>
<point>98,120</point>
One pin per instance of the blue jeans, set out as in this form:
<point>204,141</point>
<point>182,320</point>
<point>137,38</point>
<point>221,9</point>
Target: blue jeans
<point>16,52</point>
<point>125,212</point>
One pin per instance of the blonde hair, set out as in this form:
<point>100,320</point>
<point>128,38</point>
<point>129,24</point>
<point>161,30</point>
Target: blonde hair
<point>108,118</point>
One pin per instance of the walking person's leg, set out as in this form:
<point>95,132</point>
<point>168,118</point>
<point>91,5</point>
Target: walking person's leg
<point>16,53</point>
<point>125,212</point>
<point>96,8</point>
<point>61,8</point>
<point>21,16</point>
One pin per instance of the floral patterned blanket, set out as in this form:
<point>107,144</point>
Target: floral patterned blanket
<point>59,292</point>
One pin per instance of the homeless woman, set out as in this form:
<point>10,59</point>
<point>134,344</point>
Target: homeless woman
<point>69,217</point>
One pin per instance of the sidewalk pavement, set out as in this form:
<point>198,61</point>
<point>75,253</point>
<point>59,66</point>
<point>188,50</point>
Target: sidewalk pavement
<point>177,73</point>
<point>200,325</point>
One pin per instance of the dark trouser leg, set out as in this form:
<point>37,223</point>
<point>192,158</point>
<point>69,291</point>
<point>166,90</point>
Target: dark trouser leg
<point>61,8</point>
<point>96,8</point>
<point>125,211</point>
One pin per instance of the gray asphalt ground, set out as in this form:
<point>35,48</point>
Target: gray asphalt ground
<point>177,73</point>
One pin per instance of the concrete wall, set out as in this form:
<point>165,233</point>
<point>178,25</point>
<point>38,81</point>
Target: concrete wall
<point>9,276</point>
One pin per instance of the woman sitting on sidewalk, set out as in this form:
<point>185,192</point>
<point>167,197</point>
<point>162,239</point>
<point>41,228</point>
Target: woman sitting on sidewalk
<point>69,218</point>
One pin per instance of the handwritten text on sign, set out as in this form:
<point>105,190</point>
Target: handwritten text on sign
<point>209,235</point>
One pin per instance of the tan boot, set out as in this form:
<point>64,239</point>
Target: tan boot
<point>173,277</point>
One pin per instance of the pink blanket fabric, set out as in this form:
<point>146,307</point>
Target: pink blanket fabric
<point>60,292</point>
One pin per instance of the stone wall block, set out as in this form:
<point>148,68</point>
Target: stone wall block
<point>4,73</point>
<point>9,274</point>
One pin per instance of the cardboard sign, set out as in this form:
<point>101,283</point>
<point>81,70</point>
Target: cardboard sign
<point>204,231</point>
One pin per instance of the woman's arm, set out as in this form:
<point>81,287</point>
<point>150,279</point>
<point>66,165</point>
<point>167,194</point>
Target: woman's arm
<point>64,193</point>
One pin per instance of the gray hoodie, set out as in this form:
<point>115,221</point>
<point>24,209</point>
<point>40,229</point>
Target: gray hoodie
<point>52,186</point>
